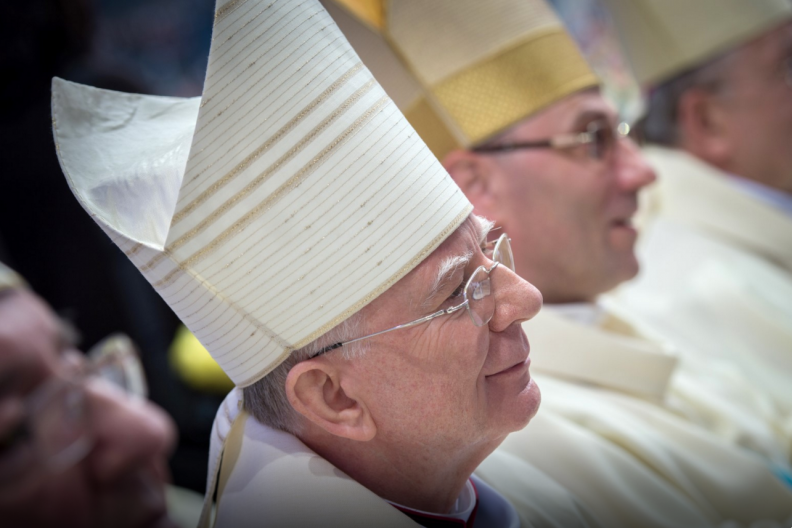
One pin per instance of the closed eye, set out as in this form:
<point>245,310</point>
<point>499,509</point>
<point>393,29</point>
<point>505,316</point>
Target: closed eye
<point>457,293</point>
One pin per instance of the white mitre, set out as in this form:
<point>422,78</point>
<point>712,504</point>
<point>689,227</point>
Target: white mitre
<point>274,207</point>
<point>664,38</point>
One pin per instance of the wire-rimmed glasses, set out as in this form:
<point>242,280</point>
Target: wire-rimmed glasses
<point>477,295</point>
<point>600,137</point>
<point>54,433</point>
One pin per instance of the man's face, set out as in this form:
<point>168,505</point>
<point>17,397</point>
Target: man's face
<point>757,99</point>
<point>120,483</point>
<point>447,385</point>
<point>569,215</point>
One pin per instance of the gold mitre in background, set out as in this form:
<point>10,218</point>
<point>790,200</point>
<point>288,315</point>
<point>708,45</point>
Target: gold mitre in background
<point>281,202</point>
<point>663,38</point>
<point>463,71</point>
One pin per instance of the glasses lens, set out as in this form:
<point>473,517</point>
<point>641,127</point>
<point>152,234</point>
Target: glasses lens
<point>603,139</point>
<point>503,252</point>
<point>60,426</point>
<point>115,360</point>
<point>481,302</point>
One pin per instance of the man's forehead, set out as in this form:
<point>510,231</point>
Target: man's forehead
<point>572,111</point>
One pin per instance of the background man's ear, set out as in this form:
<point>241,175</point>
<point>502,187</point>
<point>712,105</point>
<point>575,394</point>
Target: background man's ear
<point>315,390</point>
<point>474,174</point>
<point>704,126</point>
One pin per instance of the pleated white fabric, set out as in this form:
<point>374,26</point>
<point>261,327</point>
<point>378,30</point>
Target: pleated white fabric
<point>304,196</point>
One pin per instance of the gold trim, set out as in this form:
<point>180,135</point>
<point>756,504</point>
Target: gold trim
<point>500,91</point>
<point>249,21</point>
<point>227,304</point>
<point>197,180</point>
<point>286,187</point>
<point>245,163</point>
<point>262,177</point>
<point>134,250</point>
<point>227,8</point>
<point>417,259</point>
<point>370,12</point>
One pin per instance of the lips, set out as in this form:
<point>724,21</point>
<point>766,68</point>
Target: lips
<point>517,367</point>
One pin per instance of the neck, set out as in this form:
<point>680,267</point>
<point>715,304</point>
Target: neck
<point>418,476</point>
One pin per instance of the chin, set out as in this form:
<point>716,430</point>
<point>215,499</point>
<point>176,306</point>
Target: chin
<point>516,414</point>
<point>622,268</point>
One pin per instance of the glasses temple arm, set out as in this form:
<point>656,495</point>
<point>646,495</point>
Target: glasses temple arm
<point>399,327</point>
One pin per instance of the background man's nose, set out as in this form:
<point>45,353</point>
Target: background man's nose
<point>128,434</point>
<point>516,300</point>
<point>633,171</point>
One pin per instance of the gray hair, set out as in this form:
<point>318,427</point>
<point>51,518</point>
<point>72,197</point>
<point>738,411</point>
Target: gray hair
<point>266,399</point>
<point>661,123</point>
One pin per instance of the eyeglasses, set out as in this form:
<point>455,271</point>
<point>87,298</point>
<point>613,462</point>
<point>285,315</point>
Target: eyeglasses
<point>54,433</point>
<point>599,136</point>
<point>477,295</point>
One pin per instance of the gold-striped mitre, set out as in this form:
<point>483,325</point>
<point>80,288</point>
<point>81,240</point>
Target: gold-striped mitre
<point>663,38</point>
<point>269,210</point>
<point>469,69</point>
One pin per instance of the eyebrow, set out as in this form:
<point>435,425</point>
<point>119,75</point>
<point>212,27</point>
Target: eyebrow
<point>449,266</point>
<point>445,272</point>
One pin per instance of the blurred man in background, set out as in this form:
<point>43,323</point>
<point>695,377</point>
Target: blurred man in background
<point>74,449</point>
<point>502,96</point>
<point>717,252</point>
<point>84,278</point>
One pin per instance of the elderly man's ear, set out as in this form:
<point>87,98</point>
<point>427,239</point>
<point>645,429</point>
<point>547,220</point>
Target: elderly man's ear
<point>476,176</point>
<point>317,391</point>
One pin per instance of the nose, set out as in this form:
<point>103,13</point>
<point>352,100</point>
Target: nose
<point>129,434</point>
<point>632,170</point>
<point>516,300</point>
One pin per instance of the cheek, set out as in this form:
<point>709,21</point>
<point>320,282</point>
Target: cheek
<point>440,376</point>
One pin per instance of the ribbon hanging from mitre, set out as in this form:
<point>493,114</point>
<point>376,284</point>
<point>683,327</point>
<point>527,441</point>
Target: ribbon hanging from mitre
<point>288,197</point>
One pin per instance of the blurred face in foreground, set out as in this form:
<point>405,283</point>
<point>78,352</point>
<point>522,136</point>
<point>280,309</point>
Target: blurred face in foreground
<point>118,478</point>
<point>567,211</point>
<point>413,416</point>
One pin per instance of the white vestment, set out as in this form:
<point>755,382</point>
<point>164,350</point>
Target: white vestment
<point>270,478</point>
<point>606,432</point>
<point>716,275</point>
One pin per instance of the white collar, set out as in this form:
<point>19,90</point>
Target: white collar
<point>462,509</point>
<point>585,313</point>
<point>773,197</point>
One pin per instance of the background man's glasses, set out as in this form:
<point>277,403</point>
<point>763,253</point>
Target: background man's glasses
<point>477,295</point>
<point>599,138</point>
<point>54,433</point>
